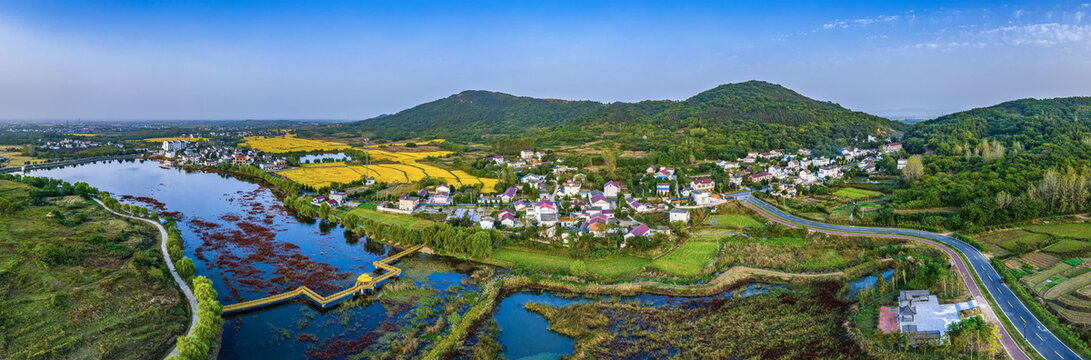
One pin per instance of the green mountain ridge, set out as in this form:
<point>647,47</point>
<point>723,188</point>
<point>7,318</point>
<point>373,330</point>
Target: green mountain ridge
<point>740,107</point>
<point>1030,122</point>
<point>474,112</point>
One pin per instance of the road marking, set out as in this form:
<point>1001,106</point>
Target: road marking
<point>1021,318</point>
<point>1058,354</point>
<point>1040,338</point>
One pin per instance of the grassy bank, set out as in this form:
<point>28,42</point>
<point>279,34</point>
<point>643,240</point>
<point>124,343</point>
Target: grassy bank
<point>78,282</point>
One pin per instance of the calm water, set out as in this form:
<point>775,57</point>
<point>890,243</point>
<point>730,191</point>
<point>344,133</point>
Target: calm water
<point>525,335</point>
<point>240,237</point>
<point>314,158</point>
<point>867,282</point>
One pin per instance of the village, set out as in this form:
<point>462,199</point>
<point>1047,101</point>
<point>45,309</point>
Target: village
<point>564,205</point>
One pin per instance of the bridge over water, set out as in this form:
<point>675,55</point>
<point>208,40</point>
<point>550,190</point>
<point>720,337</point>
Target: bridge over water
<point>364,283</point>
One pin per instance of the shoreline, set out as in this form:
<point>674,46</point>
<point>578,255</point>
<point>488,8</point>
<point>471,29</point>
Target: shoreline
<point>183,286</point>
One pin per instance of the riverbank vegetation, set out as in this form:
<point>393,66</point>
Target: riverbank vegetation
<point>805,321</point>
<point>79,282</point>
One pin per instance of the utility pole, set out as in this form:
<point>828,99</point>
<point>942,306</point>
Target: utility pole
<point>367,161</point>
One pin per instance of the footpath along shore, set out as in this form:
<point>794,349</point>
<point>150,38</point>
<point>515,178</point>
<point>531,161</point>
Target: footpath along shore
<point>174,273</point>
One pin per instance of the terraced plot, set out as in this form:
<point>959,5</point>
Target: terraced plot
<point>856,194</point>
<point>1075,231</point>
<point>1067,247</point>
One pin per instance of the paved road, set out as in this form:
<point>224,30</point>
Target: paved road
<point>170,265</point>
<point>1039,337</point>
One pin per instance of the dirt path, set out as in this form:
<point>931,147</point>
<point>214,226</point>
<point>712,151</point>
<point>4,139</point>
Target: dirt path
<point>170,265</point>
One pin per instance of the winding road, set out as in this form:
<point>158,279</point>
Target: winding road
<point>170,265</point>
<point>1039,337</point>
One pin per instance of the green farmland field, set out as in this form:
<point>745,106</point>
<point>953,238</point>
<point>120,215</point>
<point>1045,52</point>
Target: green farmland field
<point>688,259</point>
<point>856,194</point>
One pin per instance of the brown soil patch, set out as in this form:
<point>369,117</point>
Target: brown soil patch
<point>1041,260</point>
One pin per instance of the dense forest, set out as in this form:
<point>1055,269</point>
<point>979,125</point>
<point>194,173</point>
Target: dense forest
<point>1006,163</point>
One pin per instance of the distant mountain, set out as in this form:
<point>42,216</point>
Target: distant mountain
<point>472,114</point>
<point>734,118</point>
<point>1030,122</point>
<point>752,114</point>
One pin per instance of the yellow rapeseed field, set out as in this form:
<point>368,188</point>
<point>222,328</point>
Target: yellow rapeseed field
<point>405,157</point>
<point>320,175</point>
<point>290,143</point>
<point>406,169</point>
<point>420,143</point>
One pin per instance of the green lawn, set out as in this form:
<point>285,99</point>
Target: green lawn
<point>688,259</point>
<point>390,219</point>
<point>1034,240</point>
<point>711,234</point>
<point>557,263</point>
<point>856,194</point>
<point>1077,231</point>
<point>1067,246</point>
<point>734,221</point>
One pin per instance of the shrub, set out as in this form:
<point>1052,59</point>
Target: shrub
<point>185,268</point>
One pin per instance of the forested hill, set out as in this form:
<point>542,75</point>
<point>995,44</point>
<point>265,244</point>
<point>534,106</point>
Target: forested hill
<point>1005,163</point>
<point>746,116</point>
<point>470,114</point>
<point>732,119</point>
<point>1026,123</point>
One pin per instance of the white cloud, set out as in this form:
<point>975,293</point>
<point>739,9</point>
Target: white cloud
<point>1047,34</point>
<point>844,24</point>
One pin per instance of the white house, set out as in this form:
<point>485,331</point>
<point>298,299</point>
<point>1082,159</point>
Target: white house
<point>526,154</point>
<point>611,189</point>
<point>531,179</point>
<point>599,201</point>
<point>702,197</point>
<point>509,194</point>
<point>572,188</point>
<point>736,180</point>
<point>663,189</point>
<point>829,172</point>
<point>681,215</point>
<point>487,222</point>
<point>902,163</point>
<point>407,203</point>
<point>891,147</point>
<point>920,312</point>
<point>702,184</point>
<point>174,145</point>
<point>338,197</point>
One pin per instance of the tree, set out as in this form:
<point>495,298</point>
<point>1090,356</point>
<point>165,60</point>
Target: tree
<point>609,161</point>
<point>914,168</point>
<point>481,244</point>
<point>185,268</point>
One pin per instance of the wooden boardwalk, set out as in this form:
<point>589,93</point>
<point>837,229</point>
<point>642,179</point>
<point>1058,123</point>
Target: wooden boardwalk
<point>364,283</point>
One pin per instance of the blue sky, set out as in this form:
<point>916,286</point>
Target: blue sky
<point>355,60</point>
